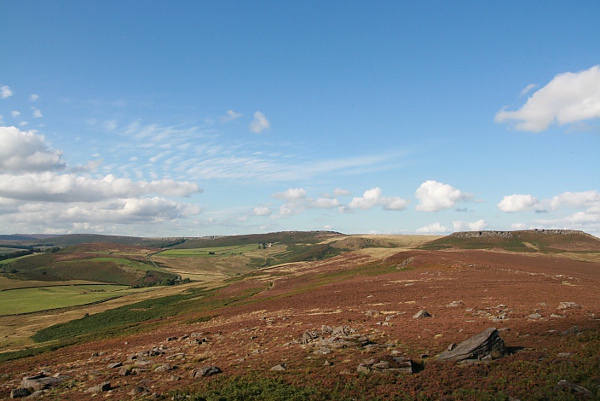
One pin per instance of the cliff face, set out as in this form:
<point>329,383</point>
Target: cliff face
<point>511,234</point>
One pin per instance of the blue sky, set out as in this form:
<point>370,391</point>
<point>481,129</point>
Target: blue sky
<point>186,118</point>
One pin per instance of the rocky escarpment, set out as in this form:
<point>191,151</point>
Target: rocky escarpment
<point>511,234</point>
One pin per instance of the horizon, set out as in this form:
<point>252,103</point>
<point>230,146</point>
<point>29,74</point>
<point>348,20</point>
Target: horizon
<point>210,119</point>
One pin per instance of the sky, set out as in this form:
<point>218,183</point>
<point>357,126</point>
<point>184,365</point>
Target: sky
<point>190,118</point>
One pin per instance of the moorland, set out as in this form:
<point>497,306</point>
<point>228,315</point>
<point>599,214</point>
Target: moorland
<point>301,315</point>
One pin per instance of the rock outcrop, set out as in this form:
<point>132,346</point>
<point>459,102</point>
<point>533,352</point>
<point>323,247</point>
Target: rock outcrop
<point>485,345</point>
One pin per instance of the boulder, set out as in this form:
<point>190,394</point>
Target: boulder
<point>421,314</point>
<point>39,382</point>
<point>206,371</point>
<point>485,344</point>
<point>280,367</point>
<point>19,392</point>
<point>100,388</point>
<point>572,388</point>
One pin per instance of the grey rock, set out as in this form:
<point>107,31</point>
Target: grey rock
<point>163,368</point>
<point>488,342</point>
<point>124,371</point>
<point>19,392</point>
<point>279,368</point>
<point>572,330</point>
<point>421,314</point>
<point>206,371</point>
<point>572,388</point>
<point>114,365</point>
<point>100,388</point>
<point>39,382</point>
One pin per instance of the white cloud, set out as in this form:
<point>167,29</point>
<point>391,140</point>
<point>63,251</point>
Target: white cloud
<point>230,116</point>
<point>466,226</point>
<point>589,200</point>
<point>15,113</point>
<point>434,228</point>
<point>568,98</point>
<point>26,151</point>
<point>518,203</point>
<point>36,113</point>
<point>341,192</point>
<point>369,199</point>
<point>260,123</point>
<point>5,92</point>
<point>434,196</point>
<point>261,211</point>
<point>395,203</point>
<point>292,194</point>
<point>34,97</point>
<point>324,203</point>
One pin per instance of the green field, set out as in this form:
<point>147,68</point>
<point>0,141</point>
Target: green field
<point>209,251</point>
<point>27,300</point>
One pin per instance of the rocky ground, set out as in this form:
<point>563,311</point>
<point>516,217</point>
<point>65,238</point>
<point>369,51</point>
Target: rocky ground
<point>349,318</point>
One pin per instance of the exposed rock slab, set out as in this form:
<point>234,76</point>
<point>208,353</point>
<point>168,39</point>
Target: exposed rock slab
<point>485,344</point>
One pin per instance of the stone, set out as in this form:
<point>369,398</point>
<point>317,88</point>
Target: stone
<point>206,371</point>
<point>114,365</point>
<point>572,388</point>
<point>279,368</point>
<point>572,330</point>
<point>163,368</point>
<point>124,371</point>
<point>362,368</point>
<point>39,382</point>
<point>568,305</point>
<point>19,392</point>
<point>100,388</point>
<point>421,314</point>
<point>488,342</point>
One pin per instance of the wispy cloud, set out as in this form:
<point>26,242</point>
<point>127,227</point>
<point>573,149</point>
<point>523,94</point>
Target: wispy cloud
<point>260,123</point>
<point>230,115</point>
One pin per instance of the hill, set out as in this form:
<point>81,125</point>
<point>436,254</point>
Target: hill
<point>519,241</point>
<point>96,262</point>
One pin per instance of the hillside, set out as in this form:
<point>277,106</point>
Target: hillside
<point>519,241</point>
<point>367,323</point>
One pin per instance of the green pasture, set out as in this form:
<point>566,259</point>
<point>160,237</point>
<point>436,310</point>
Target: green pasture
<point>27,300</point>
<point>209,251</point>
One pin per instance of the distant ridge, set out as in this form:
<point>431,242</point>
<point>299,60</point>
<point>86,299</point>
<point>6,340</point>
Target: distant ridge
<point>508,234</point>
<point>537,240</point>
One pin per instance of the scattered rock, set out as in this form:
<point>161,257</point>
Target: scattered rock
<point>100,388</point>
<point>125,371</point>
<point>486,343</point>
<point>206,371</point>
<point>114,365</point>
<point>280,367</point>
<point>19,392</point>
<point>387,364</point>
<point>421,314</point>
<point>568,305</point>
<point>39,382</point>
<point>163,368</point>
<point>572,388</point>
<point>535,316</point>
<point>572,330</point>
